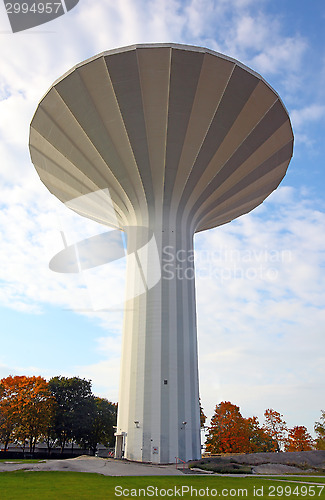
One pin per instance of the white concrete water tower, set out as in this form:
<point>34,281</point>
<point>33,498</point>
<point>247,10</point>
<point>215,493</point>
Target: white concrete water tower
<point>185,139</point>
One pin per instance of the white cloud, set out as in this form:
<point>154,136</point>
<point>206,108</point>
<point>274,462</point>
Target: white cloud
<point>30,231</point>
<point>104,376</point>
<point>302,117</point>
<point>243,29</point>
<point>280,55</point>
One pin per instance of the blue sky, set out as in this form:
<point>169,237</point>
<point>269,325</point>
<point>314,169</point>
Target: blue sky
<point>260,279</point>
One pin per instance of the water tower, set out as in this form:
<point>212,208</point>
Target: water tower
<point>185,139</point>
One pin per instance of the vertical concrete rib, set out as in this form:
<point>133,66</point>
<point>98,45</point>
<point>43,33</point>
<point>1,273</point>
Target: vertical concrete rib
<point>124,74</point>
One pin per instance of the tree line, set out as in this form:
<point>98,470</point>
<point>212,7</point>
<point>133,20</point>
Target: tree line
<point>64,410</point>
<point>60,411</point>
<point>230,432</point>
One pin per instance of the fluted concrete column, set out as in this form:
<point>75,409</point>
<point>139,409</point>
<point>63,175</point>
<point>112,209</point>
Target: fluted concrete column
<point>159,398</point>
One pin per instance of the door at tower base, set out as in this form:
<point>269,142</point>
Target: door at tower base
<point>120,445</point>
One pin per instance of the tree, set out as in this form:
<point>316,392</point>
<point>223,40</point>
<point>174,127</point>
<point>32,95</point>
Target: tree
<point>50,436</point>
<point>101,429</point>
<point>275,427</point>
<point>73,408</point>
<point>228,430</point>
<point>25,408</point>
<point>260,440</point>
<point>299,439</point>
<point>35,410</point>
<point>203,417</point>
<point>8,413</point>
<point>320,432</point>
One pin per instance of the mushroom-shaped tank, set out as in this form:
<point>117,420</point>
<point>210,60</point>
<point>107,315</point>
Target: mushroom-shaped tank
<point>185,139</point>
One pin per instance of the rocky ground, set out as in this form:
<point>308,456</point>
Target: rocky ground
<point>302,462</point>
<point>105,466</point>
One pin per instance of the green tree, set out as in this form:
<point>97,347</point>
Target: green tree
<point>320,432</point>
<point>203,417</point>
<point>102,422</point>
<point>260,440</point>
<point>73,409</point>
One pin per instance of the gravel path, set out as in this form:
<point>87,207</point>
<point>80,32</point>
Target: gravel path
<point>107,467</point>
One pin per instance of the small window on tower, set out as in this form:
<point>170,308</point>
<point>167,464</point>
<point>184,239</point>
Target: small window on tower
<point>165,382</point>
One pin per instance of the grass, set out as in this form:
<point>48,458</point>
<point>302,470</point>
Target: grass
<point>306,479</point>
<point>78,486</point>
<point>21,461</point>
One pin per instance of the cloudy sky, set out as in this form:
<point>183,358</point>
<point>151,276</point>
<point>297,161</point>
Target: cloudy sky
<point>260,279</point>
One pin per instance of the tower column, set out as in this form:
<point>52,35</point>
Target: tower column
<point>158,413</point>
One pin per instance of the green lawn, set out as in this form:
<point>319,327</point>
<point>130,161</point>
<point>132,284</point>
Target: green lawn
<point>21,461</point>
<point>78,486</point>
<point>306,479</point>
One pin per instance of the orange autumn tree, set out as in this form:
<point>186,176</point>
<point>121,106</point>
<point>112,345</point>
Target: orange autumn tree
<point>36,410</point>
<point>8,412</point>
<point>26,409</point>
<point>228,432</point>
<point>299,439</point>
<point>275,427</point>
